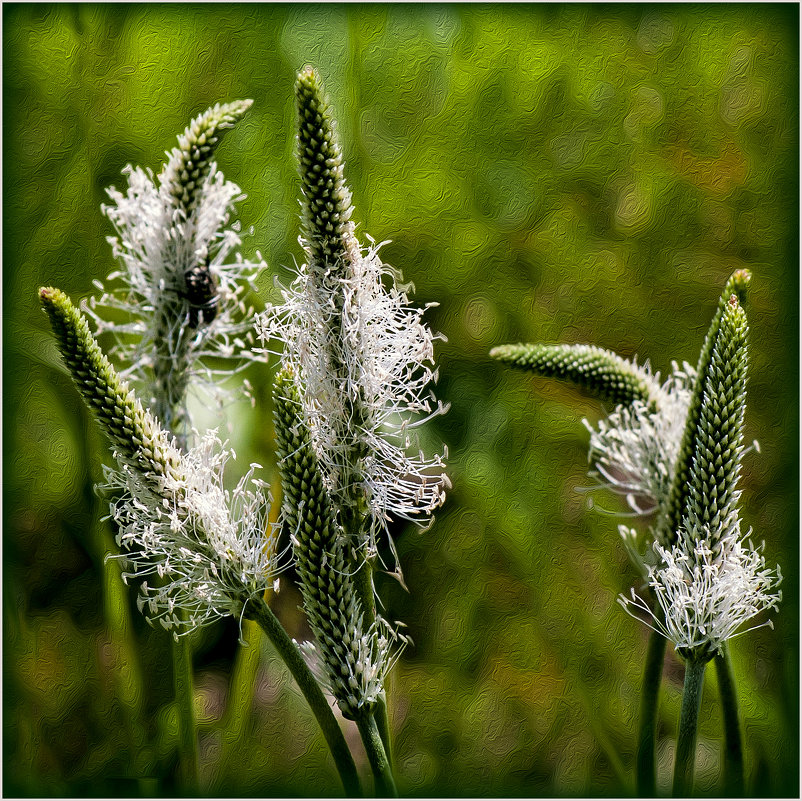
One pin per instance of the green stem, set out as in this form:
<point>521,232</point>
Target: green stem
<point>259,611</point>
<point>184,699</point>
<point>646,763</point>
<point>688,726</point>
<point>383,724</point>
<point>733,746</point>
<point>377,756</point>
<point>364,587</point>
<point>128,676</point>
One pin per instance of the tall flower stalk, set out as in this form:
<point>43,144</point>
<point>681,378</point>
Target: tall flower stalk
<point>181,300</point>
<point>674,450</point>
<point>710,582</point>
<point>212,551</point>
<point>360,360</point>
<point>352,657</point>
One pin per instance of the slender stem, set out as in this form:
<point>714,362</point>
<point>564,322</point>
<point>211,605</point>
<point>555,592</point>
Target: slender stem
<point>184,699</point>
<point>646,762</point>
<point>383,724</point>
<point>128,675</point>
<point>288,651</point>
<point>688,726</point>
<point>733,746</point>
<point>364,587</point>
<point>377,756</point>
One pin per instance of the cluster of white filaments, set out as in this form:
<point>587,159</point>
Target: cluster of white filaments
<point>360,682</point>
<point>199,550</point>
<point>386,351</point>
<point>706,596</point>
<point>634,451</point>
<point>150,309</point>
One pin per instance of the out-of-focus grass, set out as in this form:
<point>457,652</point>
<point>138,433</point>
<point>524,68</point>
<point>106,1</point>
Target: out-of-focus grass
<point>552,173</point>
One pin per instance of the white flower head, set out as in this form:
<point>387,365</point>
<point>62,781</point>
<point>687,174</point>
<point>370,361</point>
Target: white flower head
<point>200,550</point>
<point>706,596</point>
<point>634,451</point>
<point>178,298</point>
<point>366,388</point>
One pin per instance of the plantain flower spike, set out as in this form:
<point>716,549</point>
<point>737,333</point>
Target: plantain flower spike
<point>361,354</point>
<point>711,582</point>
<point>351,661</point>
<point>211,549</point>
<point>179,296</point>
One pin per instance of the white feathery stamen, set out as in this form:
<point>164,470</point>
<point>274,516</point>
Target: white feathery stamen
<point>388,353</point>
<point>634,451</point>
<point>212,549</point>
<point>706,597</point>
<point>156,245</point>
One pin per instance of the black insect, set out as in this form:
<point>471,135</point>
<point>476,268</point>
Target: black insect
<point>200,291</point>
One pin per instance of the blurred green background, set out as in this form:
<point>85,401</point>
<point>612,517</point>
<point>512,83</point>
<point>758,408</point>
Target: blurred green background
<point>545,173</point>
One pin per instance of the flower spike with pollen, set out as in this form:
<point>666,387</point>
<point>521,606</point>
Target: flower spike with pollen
<point>710,582</point>
<point>361,354</point>
<point>180,293</point>
<point>213,550</point>
<point>354,661</point>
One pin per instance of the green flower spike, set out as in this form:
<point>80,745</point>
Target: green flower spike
<point>603,373</point>
<point>716,461</point>
<point>354,663</point>
<point>669,522</point>
<point>133,432</point>
<point>327,229</point>
<point>190,163</point>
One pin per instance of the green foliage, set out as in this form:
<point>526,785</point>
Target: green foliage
<point>564,172</point>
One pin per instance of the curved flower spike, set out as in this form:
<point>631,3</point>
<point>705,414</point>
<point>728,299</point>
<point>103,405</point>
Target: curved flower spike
<point>211,550</point>
<point>604,374</point>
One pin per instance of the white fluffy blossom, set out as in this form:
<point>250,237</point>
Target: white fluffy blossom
<point>149,310</point>
<point>365,389</point>
<point>199,550</point>
<point>705,597</point>
<point>634,451</point>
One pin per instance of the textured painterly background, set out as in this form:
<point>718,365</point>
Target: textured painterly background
<point>545,173</point>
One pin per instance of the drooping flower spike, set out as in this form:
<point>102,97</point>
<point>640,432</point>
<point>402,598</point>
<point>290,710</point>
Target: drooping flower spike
<point>633,451</point>
<point>179,293</point>
<point>201,551</point>
<point>604,374</point>
<point>361,354</point>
